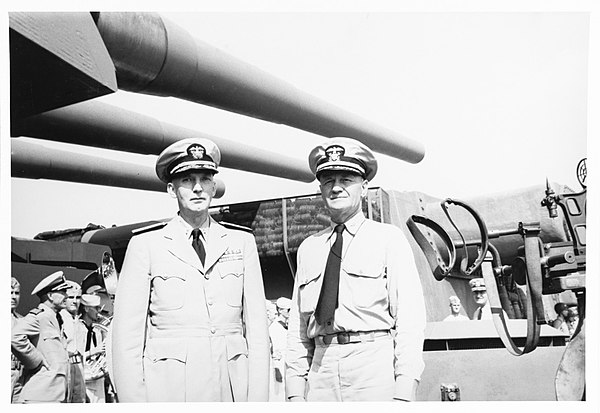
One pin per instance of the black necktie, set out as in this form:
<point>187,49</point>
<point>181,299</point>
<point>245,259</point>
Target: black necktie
<point>60,320</point>
<point>91,338</point>
<point>328,299</point>
<point>198,245</point>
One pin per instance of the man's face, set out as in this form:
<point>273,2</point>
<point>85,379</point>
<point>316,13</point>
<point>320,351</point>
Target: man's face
<point>480,297</point>
<point>342,193</point>
<point>106,304</point>
<point>72,302</point>
<point>455,308</point>
<point>57,299</point>
<point>194,191</point>
<point>15,296</point>
<point>92,312</point>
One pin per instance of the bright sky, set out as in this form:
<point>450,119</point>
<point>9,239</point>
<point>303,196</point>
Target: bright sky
<point>498,99</point>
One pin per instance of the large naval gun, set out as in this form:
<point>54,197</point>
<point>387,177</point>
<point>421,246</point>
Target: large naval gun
<point>60,62</point>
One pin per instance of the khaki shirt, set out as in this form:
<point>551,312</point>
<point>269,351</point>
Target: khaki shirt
<point>378,278</point>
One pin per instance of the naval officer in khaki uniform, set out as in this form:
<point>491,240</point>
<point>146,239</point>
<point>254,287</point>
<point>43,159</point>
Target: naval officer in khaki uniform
<point>346,340</point>
<point>38,342</point>
<point>190,319</point>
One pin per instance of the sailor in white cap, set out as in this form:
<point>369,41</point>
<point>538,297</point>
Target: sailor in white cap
<point>350,280</point>
<point>70,315</point>
<point>483,311</point>
<point>38,342</point>
<point>278,336</point>
<point>455,307</point>
<point>92,338</point>
<point>190,320</point>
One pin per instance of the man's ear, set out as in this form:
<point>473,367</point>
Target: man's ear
<point>214,187</point>
<point>365,188</point>
<point>171,190</point>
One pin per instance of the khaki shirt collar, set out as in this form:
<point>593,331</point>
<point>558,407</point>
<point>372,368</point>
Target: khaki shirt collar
<point>352,225</point>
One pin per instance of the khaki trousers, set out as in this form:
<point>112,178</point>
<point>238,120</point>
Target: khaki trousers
<point>361,371</point>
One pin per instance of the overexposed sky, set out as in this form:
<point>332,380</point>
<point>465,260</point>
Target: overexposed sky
<point>498,99</point>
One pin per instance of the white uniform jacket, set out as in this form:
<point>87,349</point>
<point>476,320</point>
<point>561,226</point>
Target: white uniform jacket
<point>378,278</point>
<point>184,332</point>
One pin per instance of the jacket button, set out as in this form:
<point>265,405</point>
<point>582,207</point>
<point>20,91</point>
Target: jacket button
<point>210,302</point>
<point>212,330</point>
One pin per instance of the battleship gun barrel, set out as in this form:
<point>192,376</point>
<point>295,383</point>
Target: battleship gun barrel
<point>34,161</point>
<point>98,124</point>
<point>154,56</point>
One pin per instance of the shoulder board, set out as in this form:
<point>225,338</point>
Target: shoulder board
<point>148,228</point>
<point>229,225</point>
<point>35,311</point>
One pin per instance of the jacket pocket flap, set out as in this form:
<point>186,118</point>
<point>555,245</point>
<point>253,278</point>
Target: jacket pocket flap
<point>235,268</point>
<point>367,269</point>
<point>236,345</point>
<point>308,277</point>
<point>160,349</point>
<point>166,277</point>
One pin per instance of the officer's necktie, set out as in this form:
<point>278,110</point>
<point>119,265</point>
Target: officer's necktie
<point>328,299</point>
<point>198,245</point>
<point>60,320</point>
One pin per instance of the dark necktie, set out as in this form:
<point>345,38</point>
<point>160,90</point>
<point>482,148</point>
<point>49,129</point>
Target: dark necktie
<point>91,338</point>
<point>328,299</point>
<point>60,320</point>
<point>198,245</point>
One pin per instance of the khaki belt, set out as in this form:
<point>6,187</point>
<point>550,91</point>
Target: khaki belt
<point>350,337</point>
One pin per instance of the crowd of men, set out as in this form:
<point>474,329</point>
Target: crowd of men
<point>566,320</point>
<point>58,348</point>
<point>190,320</point>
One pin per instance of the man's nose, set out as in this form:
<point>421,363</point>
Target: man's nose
<point>337,186</point>
<point>197,187</point>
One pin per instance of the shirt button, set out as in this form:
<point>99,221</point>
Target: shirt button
<point>329,323</point>
<point>212,330</point>
<point>210,302</point>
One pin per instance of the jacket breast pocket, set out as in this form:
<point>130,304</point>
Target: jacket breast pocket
<point>232,281</point>
<point>53,349</point>
<point>308,292</point>
<point>367,283</point>
<point>168,292</point>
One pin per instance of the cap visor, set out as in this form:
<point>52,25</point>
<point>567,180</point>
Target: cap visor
<point>338,167</point>
<point>188,166</point>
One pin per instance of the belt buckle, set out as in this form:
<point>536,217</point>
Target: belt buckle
<point>343,338</point>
